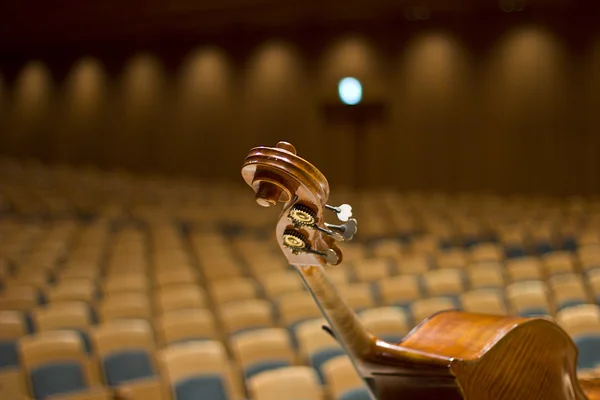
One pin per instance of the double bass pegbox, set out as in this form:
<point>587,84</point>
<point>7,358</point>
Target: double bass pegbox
<point>278,175</point>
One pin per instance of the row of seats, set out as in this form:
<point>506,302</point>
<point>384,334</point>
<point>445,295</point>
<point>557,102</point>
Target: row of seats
<point>196,265</point>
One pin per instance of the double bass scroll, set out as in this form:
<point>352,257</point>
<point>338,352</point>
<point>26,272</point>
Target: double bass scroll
<point>450,355</point>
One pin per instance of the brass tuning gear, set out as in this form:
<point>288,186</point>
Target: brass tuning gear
<point>298,243</point>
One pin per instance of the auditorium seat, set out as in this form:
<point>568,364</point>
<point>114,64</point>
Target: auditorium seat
<point>315,345</point>
<point>451,259</point>
<point>358,296</point>
<point>125,282</point>
<point>294,308</point>
<point>486,252</point>
<point>124,305</point>
<point>558,262</point>
<point>12,328</point>
<point>278,283</point>
<point>487,274</point>
<point>484,301</point>
<point>371,269</point>
<point>175,276</point>
<point>399,290</point>
<point>75,316</point>
<point>589,257</point>
<point>245,315</point>
<point>262,349</point>
<point>22,299</point>
<point>186,325</point>
<point>234,289</point>
<point>125,350</point>
<point>67,290</point>
<point>424,308</point>
<point>582,323</point>
<point>56,364</point>
<point>524,269</point>
<point>79,271</point>
<point>179,296</point>
<point>338,276</point>
<point>387,249</point>
<point>342,380</point>
<point>568,289</point>
<point>388,323</point>
<point>444,283</point>
<point>196,370</point>
<point>414,264</point>
<point>528,298</point>
<point>290,383</point>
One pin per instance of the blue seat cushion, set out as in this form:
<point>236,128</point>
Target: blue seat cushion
<point>543,248</point>
<point>356,394</point>
<point>127,366</point>
<point>589,351</point>
<point>319,358</point>
<point>515,252</point>
<point>9,354</point>
<point>57,378</point>
<point>263,366</point>
<point>570,303</point>
<point>201,387</point>
<point>533,312</point>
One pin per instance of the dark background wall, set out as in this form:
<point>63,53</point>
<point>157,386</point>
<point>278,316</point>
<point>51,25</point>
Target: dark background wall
<point>506,103</point>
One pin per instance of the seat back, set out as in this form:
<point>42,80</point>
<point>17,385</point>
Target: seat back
<point>55,363</point>
<point>400,290</point>
<point>524,269</point>
<point>484,301</point>
<point>528,298</point>
<point>186,324</point>
<point>486,275</point>
<point>234,289</point>
<point>297,307</point>
<point>486,252</point>
<point>371,269</point>
<point>262,350</point>
<point>357,295</point>
<point>278,384</point>
<point>12,328</point>
<point>341,377</point>
<point>176,297</point>
<point>198,370</point>
<point>276,284</point>
<point>126,350</point>
<point>444,282</point>
<point>239,316</point>
<point>424,308</point>
<point>125,305</point>
<point>388,323</point>
<point>73,290</point>
<point>451,259</point>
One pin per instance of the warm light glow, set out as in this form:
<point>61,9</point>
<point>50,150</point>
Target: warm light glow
<point>142,82</point>
<point>350,91</point>
<point>85,85</point>
<point>205,77</point>
<point>273,64</point>
<point>32,89</point>
<point>433,62</point>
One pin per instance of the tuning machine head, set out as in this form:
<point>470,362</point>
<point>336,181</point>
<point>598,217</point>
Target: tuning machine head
<point>304,216</point>
<point>344,212</point>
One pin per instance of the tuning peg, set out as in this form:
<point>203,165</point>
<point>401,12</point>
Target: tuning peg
<point>330,255</point>
<point>348,230</point>
<point>344,212</point>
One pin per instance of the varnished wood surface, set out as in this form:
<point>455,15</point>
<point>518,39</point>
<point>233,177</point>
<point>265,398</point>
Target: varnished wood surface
<point>451,355</point>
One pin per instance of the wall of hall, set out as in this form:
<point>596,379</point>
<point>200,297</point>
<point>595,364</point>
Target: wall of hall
<point>508,104</point>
